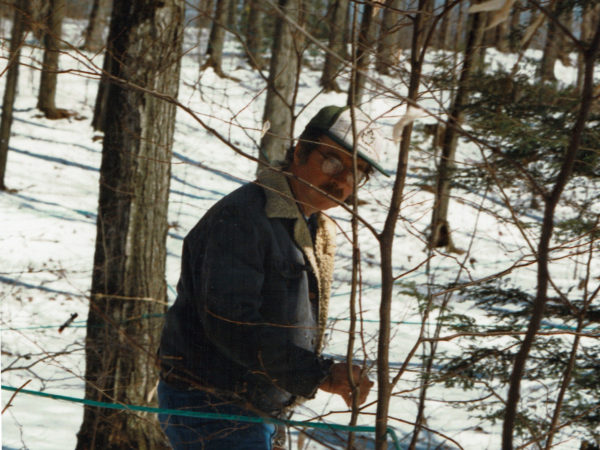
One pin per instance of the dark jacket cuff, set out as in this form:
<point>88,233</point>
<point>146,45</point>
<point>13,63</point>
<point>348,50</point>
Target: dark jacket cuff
<point>325,369</point>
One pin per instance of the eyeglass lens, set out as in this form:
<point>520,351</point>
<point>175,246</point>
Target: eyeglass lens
<point>333,166</point>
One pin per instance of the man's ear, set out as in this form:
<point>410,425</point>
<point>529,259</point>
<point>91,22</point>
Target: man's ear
<point>296,158</point>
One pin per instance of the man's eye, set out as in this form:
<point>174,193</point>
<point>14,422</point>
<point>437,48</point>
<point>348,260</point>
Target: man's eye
<point>332,166</point>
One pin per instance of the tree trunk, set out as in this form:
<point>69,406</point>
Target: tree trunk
<point>52,36</point>
<point>281,87</point>
<point>444,32</point>
<point>550,55</point>
<point>216,41</point>
<point>10,89</point>
<point>337,44</point>
<point>487,39</point>
<point>95,29</point>
<point>35,18</point>
<point>502,37</point>
<point>232,15</point>
<point>128,278</point>
<point>254,34</point>
<point>363,49</point>
<point>460,23</point>
<point>99,119</point>
<point>389,40</point>
<point>565,46</point>
<point>386,241</point>
<point>590,21</point>
<point>515,20</point>
<point>405,34</point>
<point>440,229</point>
<point>204,12</point>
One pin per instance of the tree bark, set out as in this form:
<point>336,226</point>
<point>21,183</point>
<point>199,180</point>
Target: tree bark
<point>386,240</point>
<point>204,12</point>
<point>502,37</point>
<point>281,86</point>
<point>254,34</point>
<point>128,278</point>
<point>100,107</point>
<point>389,39</point>
<point>515,20</point>
<point>445,28</point>
<point>460,24</point>
<point>550,55</point>
<point>440,229</point>
<point>232,15</point>
<point>337,44</point>
<point>565,46</point>
<point>99,16</point>
<point>216,41</point>
<point>363,49</point>
<point>10,89</point>
<point>590,21</point>
<point>48,80</point>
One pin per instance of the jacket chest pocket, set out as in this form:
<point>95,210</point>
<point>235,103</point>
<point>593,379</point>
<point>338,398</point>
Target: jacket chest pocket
<point>286,293</point>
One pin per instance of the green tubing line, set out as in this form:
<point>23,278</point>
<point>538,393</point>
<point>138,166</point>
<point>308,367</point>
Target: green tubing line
<point>82,324</point>
<point>325,426</point>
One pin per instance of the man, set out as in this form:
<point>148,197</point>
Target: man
<point>245,333</point>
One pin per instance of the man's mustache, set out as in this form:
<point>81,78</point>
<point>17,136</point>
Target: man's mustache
<point>332,189</point>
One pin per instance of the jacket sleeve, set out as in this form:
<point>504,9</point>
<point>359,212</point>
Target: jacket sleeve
<point>231,277</point>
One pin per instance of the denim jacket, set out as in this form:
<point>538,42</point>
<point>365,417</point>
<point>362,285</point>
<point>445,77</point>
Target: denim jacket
<point>252,299</point>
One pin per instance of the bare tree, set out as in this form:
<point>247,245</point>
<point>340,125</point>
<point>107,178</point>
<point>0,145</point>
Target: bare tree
<point>337,45</point>
<point>99,16</point>
<point>204,10</point>
<point>10,89</point>
<point>551,45</point>
<point>254,33</point>
<point>386,237</point>
<point>128,278</point>
<point>281,86</point>
<point>216,41</point>
<point>440,228</point>
<point>363,46</point>
<point>52,37</point>
<point>445,27</point>
<point>590,21</point>
<point>515,20</point>
<point>389,36</point>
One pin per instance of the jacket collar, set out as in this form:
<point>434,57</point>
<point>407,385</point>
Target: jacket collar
<point>281,203</point>
<point>280,199</point>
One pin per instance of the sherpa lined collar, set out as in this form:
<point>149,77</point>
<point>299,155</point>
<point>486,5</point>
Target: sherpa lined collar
<point>280,199</point>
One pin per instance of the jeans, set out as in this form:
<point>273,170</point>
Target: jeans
<point>195,433</point>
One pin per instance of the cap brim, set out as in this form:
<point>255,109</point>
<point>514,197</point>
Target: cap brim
<point>364,157</point>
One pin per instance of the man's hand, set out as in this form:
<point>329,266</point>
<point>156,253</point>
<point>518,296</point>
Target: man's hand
<point>337,383</point>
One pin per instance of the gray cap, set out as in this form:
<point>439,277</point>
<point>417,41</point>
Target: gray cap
<point>336,123</point>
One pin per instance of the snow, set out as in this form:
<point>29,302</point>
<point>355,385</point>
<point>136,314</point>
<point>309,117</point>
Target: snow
<point>49,229</point>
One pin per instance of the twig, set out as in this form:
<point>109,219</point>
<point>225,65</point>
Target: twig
<point>14,395</point>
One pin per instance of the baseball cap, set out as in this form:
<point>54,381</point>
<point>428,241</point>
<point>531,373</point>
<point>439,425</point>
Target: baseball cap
<point>336,123</point>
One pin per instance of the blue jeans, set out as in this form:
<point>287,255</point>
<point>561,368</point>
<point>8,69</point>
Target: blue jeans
<point>195,433</point>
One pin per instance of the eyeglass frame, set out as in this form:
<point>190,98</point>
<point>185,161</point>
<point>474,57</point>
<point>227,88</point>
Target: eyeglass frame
<point>362,179</point>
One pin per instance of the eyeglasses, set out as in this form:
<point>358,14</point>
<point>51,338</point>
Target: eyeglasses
<point>333,166</point>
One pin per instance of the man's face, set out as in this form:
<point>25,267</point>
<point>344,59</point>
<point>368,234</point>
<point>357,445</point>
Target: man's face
<point>328,167</point>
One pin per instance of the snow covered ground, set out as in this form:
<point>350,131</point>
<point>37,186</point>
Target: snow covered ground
<point>49,223</point>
